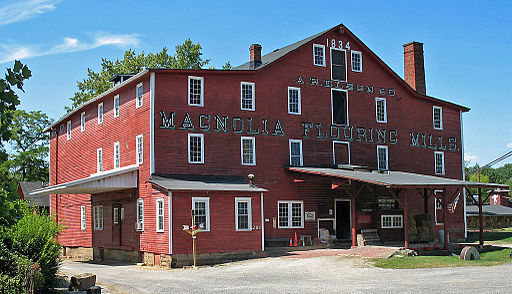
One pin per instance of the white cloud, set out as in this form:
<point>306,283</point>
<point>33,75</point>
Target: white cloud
<point>509,145</point>
<point>471,157</point>
<point>10,52</point>
<point>21,10</point>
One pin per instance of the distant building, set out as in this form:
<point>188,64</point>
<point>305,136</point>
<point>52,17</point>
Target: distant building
<point>500,197</point>
<point>494,217</point>
<point>41,201</point>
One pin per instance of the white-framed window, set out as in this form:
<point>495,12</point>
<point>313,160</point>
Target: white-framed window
<point>382,157</point>
<point>140,215</point>
<point>98,217</point>
<point>294,103</point>
<point>160,214</point>
<point>195,91</point>
<point>68,130</point>
<point>82,122</point>
<point>195,148</point>
<point>100,113</point>
<point>138,95</point>
<point>357,61</point>
<point>318,55</point>
<point>248,150</point>
<point>290,214</point>
<point>339,107</point>
<point>201,207</point>
<point>391,221</point>
<point>295,147</point>
<point>439,162</point>
<point>243,214</point>
<point>380,110</point>
<point>82,218</point>
<point>139,149</point>
<point>437,116</point>
<point>117,155</point>
<point>338,65</point>
<point>247,100</point>
<point>99,160</point>
<point>116,106</point>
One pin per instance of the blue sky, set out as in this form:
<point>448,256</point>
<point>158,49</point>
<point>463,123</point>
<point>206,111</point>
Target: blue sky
<point>468,45</point>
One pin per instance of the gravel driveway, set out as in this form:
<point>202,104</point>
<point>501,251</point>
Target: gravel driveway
<point>326,274</point>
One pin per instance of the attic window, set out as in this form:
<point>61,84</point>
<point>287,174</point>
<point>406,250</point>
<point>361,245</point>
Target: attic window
<point>338,65</point>
<point>357,61</point>
<point>318,55</point>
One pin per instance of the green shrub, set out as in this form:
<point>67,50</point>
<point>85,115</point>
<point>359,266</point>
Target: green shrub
<point>35,238</point>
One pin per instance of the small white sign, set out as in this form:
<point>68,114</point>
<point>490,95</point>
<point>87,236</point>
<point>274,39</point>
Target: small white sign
<point>309,216</point>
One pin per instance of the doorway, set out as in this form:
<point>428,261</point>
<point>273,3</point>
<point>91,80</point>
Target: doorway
<point>116,224</point>
<point>343,219</point>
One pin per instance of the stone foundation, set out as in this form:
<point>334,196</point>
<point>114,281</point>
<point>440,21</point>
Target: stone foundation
<point>181,260</point>
<point>116,255</point>
<point>490,222</point>
<point>77,253</point>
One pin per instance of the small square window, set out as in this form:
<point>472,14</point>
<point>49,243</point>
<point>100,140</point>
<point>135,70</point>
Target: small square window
<point>357,61</point>
<point>318,55</point>
<point>195,148</point>
<point>247,96</point>
<point>438,117</point>
<point>116,106</point>
<point>294,103</point>
<point>139,93</point>
<point>195,91</point>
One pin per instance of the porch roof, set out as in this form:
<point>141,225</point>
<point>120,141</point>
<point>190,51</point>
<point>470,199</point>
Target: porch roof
<point>203,183</point>
<point>497,210</point>
<point>391,179</point>
<point>112,180</point>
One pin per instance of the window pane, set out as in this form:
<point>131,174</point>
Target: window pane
<point>339,104</point>
<point>247,99</point>
<point>283,214</point>
<point>243,215</point>
<point>338,65</point>
<point>382,158</point>
<point>195,91</point>
<point>295,154</point>
<point>247,151</point>
<point>200,213</point>
<point>296,214</point>
<point>195,149</point>
<point>319,55</point>
<point>293,100</point>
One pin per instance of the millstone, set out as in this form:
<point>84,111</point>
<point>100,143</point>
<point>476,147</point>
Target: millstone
<point>469,253</point>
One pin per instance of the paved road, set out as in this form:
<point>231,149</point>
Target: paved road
<point>325,274</point>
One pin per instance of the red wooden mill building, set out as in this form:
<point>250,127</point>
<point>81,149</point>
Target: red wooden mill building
<point>320,134</point>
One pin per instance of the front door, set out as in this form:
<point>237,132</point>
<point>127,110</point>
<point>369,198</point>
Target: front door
<point>342,220</point>
<point>116,224</point>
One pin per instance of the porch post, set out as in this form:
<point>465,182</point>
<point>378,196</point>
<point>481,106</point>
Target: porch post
<point>354,219</point>
<point>445,221</point>
<point>406,220</point>
<point>425,200</point>
<point>480,216</point>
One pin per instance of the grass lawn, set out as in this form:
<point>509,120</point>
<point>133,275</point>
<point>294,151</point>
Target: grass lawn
<point>498,236</point>
<point>486,259</point>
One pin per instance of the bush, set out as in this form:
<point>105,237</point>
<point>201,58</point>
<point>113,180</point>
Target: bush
<point>32,238</point>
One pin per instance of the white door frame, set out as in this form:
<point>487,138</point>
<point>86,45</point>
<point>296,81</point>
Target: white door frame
<point>336,214</point>
<point>334,150</point>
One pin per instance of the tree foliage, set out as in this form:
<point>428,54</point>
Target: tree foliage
<point>187,56</point>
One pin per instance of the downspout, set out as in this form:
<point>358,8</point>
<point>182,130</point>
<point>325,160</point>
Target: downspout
<point>463,176</point>
<point>170,222</point>
<point>262,225</point>
<point>152,123</point>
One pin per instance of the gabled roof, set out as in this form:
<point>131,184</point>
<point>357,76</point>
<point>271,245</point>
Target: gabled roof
<point>24,188</point>
<point>279,53</point>
<point>498,210</point>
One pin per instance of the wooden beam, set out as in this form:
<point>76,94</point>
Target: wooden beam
<point>445,221</point>
<point>480,217</point>
<point>406,221</point>
<point>353,212</point>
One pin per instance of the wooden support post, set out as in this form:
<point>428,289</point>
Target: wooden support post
<point>354,219</point>
<point>406,220</point>
<point>445,221</point>
<point>480,217</point>
<point>425,200</point>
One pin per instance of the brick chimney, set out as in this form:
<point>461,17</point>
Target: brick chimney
<point>255,50</point>
<point>414,69</point>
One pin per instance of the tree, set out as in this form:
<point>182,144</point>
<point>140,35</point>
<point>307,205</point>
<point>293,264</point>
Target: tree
<point>187,56</point>
<point>227,66</point>
<point>28,160</point>
<point>8,98</point>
